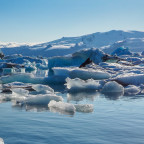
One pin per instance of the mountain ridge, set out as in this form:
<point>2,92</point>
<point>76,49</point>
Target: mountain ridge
<point>69,45</point>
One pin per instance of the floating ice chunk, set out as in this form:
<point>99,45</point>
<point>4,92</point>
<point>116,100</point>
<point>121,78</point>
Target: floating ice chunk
<point>12,97</point>
<point>42,99</point>
<point>24,78</point>
<point>112,87</point>
<point>16,85</point>
<point>1,141</point>
<point>94,54</point>
<point>130,79</point>
<point>7,71</point>
<point>86,108</point>
<point>122,51</point>
<point>77,85</point>
<point>20,91</point>
<point>41,88</point>
<point>89,74</point>
<point>68,107</point>
<point>54,80</point>
<point>59,71</point>
<point>131,90</point>
<point>30,67</point>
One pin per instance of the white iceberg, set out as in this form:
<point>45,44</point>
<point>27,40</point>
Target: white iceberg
<point>85,74</point>
<point>62,106</point>
<point>132,90</point>
<point>42,99</point>
<point>112,87</point>
<point>20,91</point>
<point>78,85</point>
<point>130,79</point>
<point>24,78</point>
<point>62,71</point>
<point>39,88</point>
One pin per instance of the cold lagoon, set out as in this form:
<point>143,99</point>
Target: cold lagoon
<point>114,120</point>
<point>91,96</point>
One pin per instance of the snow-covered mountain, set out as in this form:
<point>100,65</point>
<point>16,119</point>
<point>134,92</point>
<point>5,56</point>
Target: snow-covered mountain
<point>108,41</point>
<point>134,44</point>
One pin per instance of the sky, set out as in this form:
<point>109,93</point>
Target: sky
<point>47,20</point>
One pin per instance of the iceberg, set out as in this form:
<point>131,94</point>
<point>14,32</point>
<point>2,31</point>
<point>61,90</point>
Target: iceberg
<point>61,106</point>
<point>24,78</point>
<point>85,74</point>
<point>121,51</point>
<point>132,90</point>
<point>39,88</point>
<point>77,58</point>
<point>41,99</point>
<point>112,87</point>
<point>130,79</point>
<point>96,55</point>
<point>78,85</point>
<point>20,91</point>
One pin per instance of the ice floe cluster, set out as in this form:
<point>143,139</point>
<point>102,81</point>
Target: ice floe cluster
<point>27,81</point>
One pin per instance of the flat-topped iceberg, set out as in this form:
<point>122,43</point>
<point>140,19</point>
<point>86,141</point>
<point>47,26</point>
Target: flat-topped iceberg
<point>130,79</point>
<point>78,85</point>
<point>85,74</point>
<point>42,99</point>
<point>61,106</point>
<point>82,73</point>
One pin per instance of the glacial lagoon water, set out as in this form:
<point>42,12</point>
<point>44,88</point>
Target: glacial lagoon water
<point>114,121</point>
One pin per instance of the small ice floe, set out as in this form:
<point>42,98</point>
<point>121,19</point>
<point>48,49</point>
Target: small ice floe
<point>75,72</point>
<point>16,85</point>
<point>24,78</point>
<point>113,88</point>
<point>41,99</point>
<point>61,107</point>
<point>14,96</point>
<point>20,91</point>
<point>85,108</point>
<point>85,74</point>
<point>1,141</point>
<point>30,66</point>
<point>130,79</point>
<point>78,85</point>
<point>62,71</point>
<point>41,89</point>
<point>131,90</point>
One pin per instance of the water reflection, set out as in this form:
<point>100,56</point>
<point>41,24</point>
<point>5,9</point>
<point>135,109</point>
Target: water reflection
<point>63,112</point>
<point>113,95</point>
<point>30,108</point>
<point>80,96</point>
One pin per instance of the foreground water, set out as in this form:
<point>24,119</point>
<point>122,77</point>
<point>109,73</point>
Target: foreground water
<point>113,121</point>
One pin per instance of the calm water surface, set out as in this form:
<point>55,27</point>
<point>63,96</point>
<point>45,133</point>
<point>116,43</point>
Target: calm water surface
<point>113,121</point>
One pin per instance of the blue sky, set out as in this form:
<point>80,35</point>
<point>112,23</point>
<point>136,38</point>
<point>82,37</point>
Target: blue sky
<point>46,20</point>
